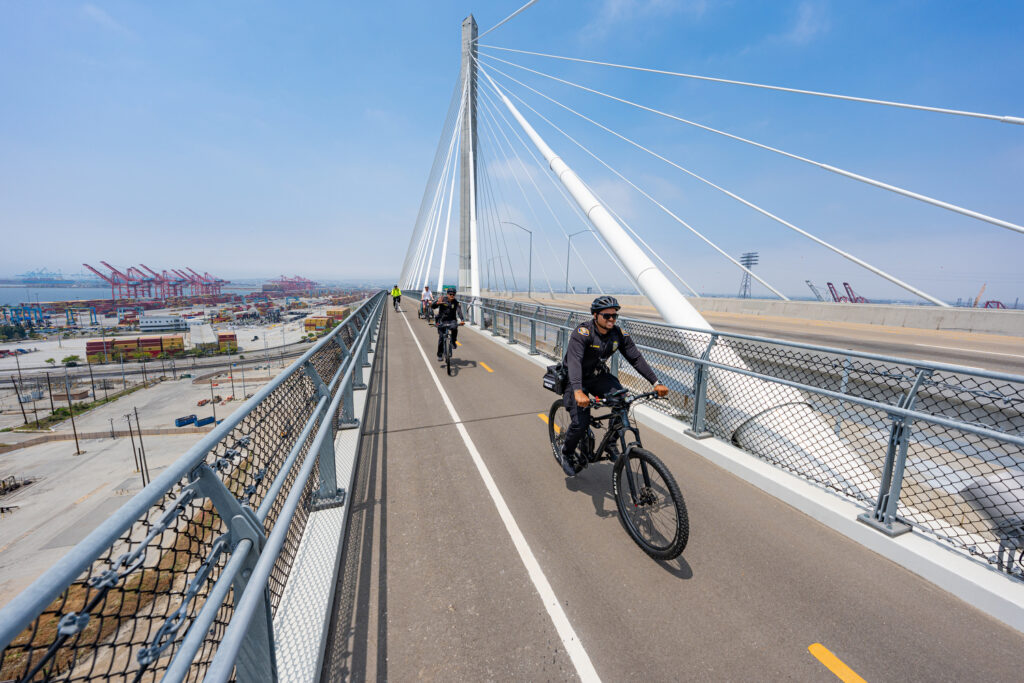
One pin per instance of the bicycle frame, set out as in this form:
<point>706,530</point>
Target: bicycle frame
<point>618,426</point>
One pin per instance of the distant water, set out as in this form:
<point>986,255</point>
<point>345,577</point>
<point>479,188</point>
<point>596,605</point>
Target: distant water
<point>24,295</point>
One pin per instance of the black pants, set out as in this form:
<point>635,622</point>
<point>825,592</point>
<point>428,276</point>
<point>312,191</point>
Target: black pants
<point>598,385</point>
<point>441,327</point>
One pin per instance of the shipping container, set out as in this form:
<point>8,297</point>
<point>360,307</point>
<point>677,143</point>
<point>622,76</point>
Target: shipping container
<point>203,421</point>
<point>187,420</point>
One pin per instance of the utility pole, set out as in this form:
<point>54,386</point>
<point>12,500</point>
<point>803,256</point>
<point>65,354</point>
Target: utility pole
<point>529,276</point>
<point>135,453</point>
<point>469,267</point>
<point>142,448</point>
<point>567,252</point>
<point>17,397</point>
<point>213,404</point>
<point>49,392</point>
<point>71,408</point>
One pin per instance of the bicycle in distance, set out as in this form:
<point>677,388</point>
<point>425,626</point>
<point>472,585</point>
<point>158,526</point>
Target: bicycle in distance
<point>649,503</point>
<point>426,312</point>
<point>448,343</point>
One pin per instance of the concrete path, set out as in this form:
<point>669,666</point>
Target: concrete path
<point>435,588</point>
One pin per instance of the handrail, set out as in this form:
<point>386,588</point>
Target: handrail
<point>93,553</point>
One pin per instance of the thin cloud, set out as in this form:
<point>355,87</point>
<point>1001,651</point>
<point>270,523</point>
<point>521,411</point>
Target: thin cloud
<point>811,22</point>
<point>101,18</point>
<point>614,13</point>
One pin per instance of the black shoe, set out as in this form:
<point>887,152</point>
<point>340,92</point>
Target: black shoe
<point>440,358</point>
<point>568,463</point>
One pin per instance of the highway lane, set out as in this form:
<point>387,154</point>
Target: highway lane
<point>986,351</point>
<point>758,585</point>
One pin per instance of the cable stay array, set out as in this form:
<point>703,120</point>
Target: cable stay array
<point>850,98</point>
<point>733,195</point>
<point>832,169</point>
<point>502,182</point>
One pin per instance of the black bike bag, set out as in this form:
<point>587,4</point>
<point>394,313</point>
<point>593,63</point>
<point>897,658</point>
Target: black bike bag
<point>556,378</point>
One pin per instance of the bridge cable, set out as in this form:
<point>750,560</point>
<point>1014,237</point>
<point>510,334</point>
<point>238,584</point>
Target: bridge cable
<point>574,209</point>
<point>919,107</point>
<point>764,212</point>
<point>832,169</point>
<point>489,225</point>
<point>549,174</point>
<point>497,228</point>
<point>522,190</point>
<point>505,20</point>
<point>504,201</point>
<point>493,136</point>
<point>447,224</point>
<point>656,203</point>
<point>543,197</point>
<point>455,104</point>
<point>449,170</point>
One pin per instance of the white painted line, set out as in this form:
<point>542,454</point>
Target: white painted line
<point>570,640</point>
<point>984,353</point>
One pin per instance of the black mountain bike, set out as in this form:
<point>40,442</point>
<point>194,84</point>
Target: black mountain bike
<point>426,312</point>
<point>650,505</point>
<point>395,300</point>
<point>448,345</point>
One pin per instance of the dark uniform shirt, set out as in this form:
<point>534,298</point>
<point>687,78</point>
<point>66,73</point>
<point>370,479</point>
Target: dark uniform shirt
<point>448,311</point>
<point>588,350</point>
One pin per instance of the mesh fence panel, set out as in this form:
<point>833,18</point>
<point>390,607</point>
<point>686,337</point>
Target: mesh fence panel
<point>105,624</point>
<point>958,486</point>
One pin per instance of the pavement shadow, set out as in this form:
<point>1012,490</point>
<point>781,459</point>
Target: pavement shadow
<point>353,652</point>
<point>458,365</point>
<point>596,482</point>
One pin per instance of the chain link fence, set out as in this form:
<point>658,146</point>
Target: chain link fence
<point>929,446</point>
<point>118,609</point>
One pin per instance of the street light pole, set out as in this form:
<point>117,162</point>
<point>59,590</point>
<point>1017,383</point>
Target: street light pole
<point>568,246</point>
<point>529,277</point>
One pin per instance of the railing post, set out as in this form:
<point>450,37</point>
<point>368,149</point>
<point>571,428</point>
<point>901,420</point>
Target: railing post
<point>883,517</point>
<point>511,328</point>
<point>614,365</point>
<point>533,337</point>
<point>347,419</point>
<point>842,389</point>
<point>494,323</point>
<point>328,493</point>
<point>700,393</point>
<point>257,660</point>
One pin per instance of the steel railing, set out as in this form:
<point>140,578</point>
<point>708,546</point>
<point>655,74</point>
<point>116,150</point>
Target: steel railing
<point>930,446</point>
<point>183,581</point>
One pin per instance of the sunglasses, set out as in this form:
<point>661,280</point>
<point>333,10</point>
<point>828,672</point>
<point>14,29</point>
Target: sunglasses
<point>609,316</point>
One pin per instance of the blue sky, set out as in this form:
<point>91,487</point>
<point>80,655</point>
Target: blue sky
<point>258,138</point>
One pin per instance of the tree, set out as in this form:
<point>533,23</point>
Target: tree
<point>70,361</point>
<point>50,361</point>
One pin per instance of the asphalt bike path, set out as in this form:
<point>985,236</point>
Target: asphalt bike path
<point>432,586</point>
<point>762,591</point>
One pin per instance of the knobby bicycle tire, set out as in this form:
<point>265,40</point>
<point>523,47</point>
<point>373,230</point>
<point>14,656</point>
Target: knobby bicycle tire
<point>448,352</point>
<point>674,546</point>
<point>558,421</point>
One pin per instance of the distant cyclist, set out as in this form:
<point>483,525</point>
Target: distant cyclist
<point>590,344</point>
<point>396,296</point>
<point>449,309</point>
<point>426,296</point>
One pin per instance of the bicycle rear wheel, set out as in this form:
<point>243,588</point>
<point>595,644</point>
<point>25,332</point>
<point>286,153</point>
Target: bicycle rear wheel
<point>652,508</point>
<point>559,420</point>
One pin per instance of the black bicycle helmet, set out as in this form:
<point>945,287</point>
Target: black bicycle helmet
<point>450,290</point>
<point>603,302</point>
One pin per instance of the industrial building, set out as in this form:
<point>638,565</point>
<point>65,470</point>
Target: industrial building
<point>162,322</point>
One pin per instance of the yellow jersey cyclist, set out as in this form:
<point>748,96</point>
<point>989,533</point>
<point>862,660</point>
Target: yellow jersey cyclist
<point>396,296</point>
<point>590,345</point>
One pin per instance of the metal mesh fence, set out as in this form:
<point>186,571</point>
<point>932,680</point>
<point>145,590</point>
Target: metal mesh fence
<point>957,485</point>
<point>124,616</point>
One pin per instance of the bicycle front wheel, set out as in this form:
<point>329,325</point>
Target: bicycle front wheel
<point>448,353</point>
<point>650,505</point>
<point>559,420</point>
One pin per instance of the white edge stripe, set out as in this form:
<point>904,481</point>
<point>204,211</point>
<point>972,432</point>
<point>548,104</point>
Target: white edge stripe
<point>570,640</point>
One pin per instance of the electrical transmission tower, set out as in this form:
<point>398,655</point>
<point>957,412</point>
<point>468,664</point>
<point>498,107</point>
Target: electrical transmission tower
<point>748,260</point>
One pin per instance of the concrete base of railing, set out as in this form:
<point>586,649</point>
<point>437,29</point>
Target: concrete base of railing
<point>303,616</point>
<point>976,584</point>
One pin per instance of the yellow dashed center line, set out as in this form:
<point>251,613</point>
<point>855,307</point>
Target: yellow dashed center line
<point>93,492</point>
<point>458,343</point>
<point>834,664</point>
<point>545,418</point>
<point>486,367</point>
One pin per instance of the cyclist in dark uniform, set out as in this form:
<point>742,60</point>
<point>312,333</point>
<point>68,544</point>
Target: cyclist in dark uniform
<point>449,309</point>
<point>590,344</point>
